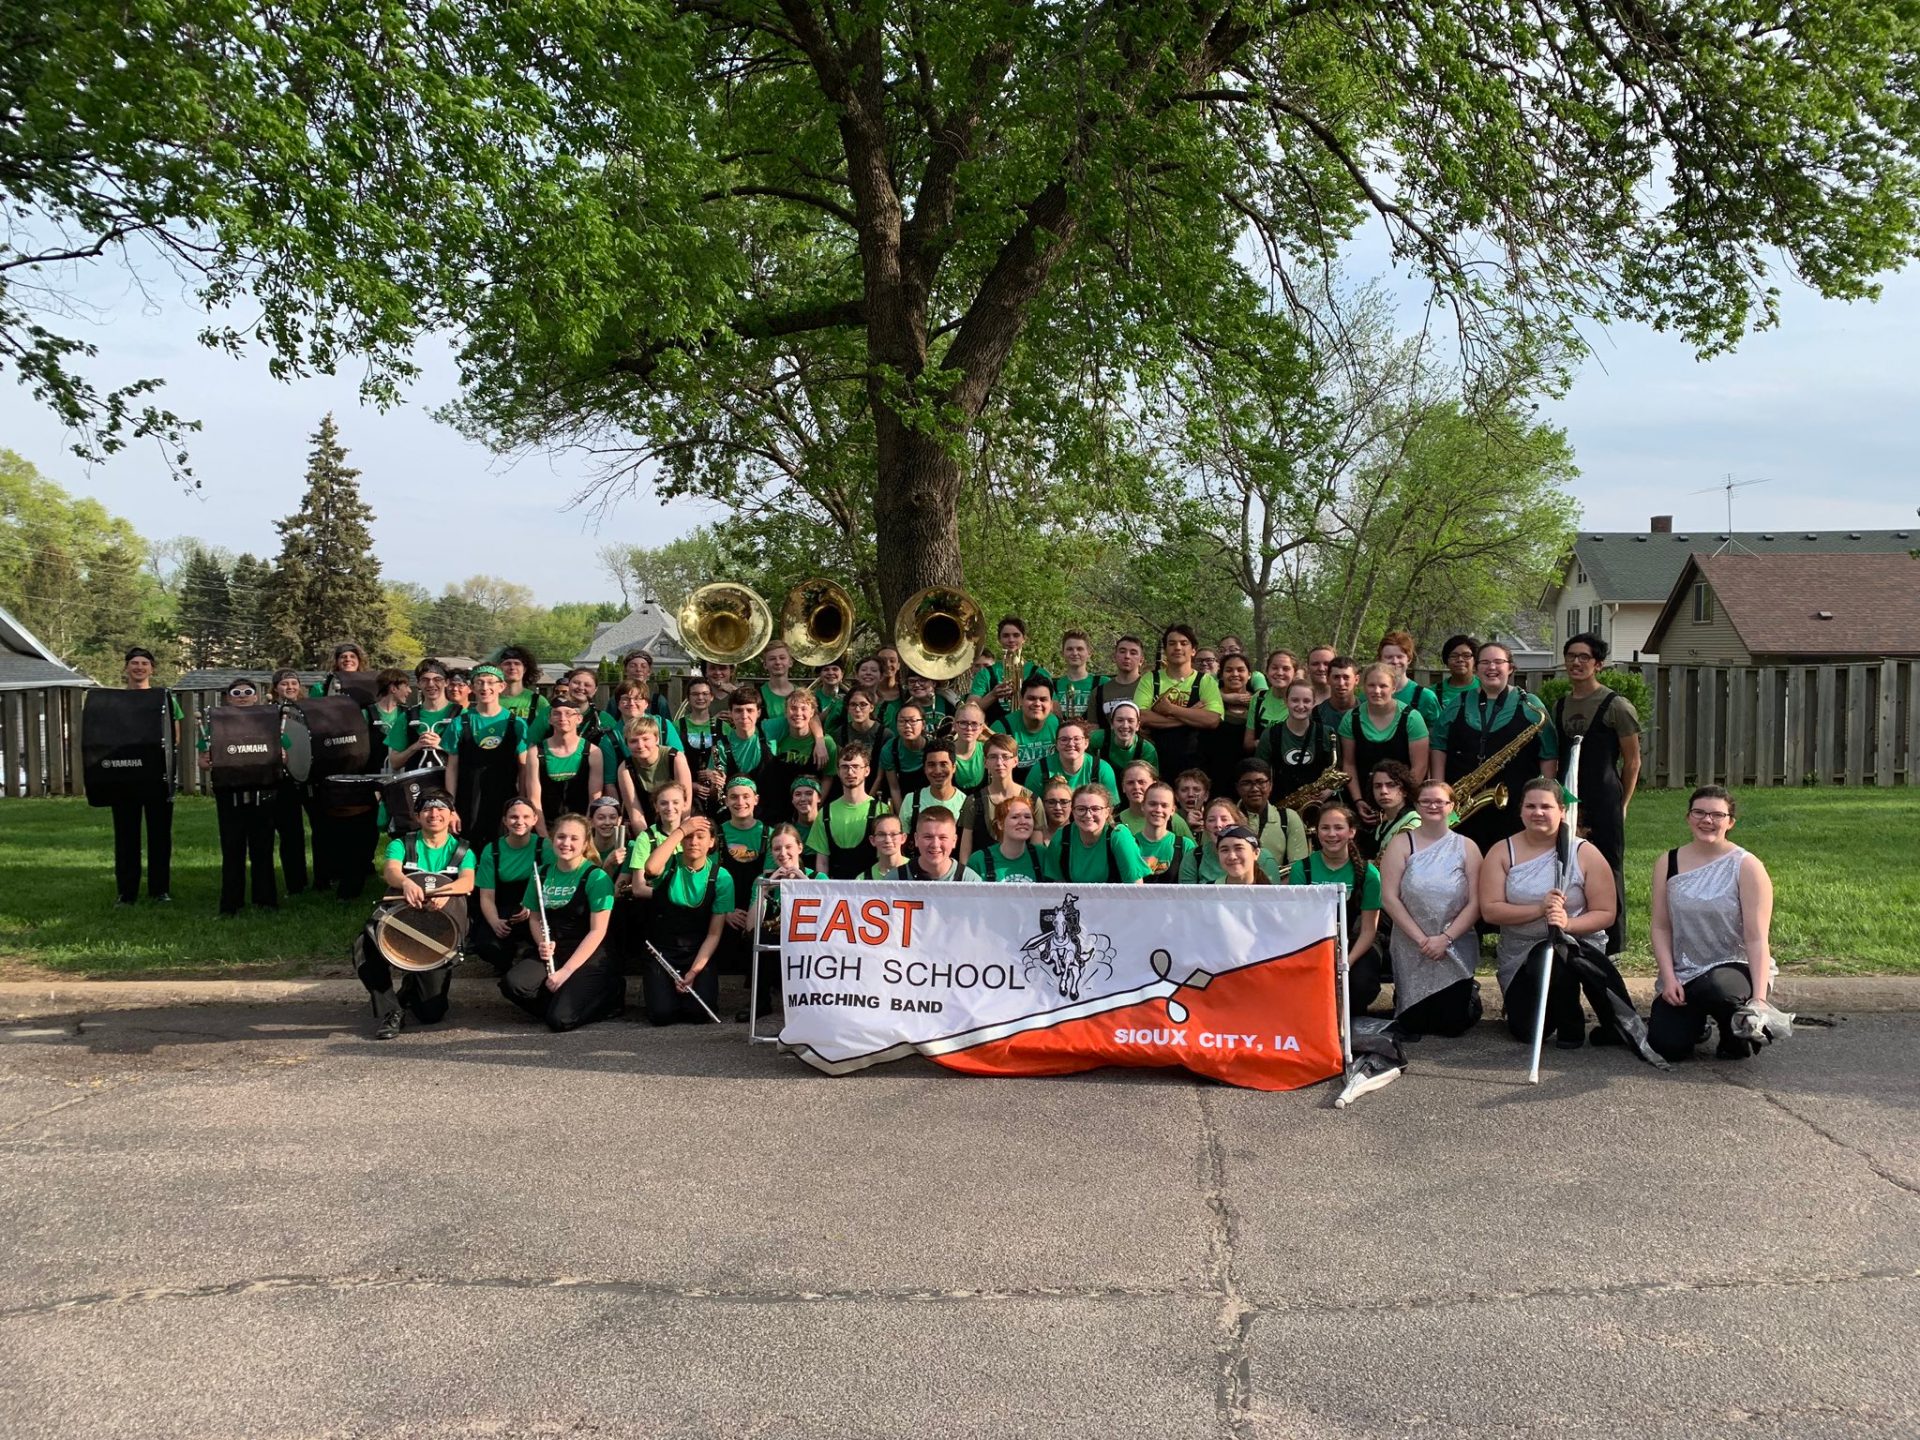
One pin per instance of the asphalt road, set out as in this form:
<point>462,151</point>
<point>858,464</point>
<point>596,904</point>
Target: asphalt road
<point>253,1221</point>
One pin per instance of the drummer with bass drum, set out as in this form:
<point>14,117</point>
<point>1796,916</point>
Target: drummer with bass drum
<point>241,749</point>
<point>417,928</point>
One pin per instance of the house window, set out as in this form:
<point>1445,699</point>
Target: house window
<point>1573,625</point>
<point>1579,573</point>
<point>1702,603</point>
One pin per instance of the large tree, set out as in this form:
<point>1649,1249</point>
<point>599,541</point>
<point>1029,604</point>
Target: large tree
<point>326,579</point>
<point>634,209</point>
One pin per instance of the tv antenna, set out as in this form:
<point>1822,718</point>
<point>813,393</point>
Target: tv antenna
<point>1729,485</point>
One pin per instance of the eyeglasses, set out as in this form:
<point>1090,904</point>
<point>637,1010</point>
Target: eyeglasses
<point>1708,815</point>
<point>1461,655</point>
<point>1089,809</point>
<point>966,724</point>
<point>1574,656</point>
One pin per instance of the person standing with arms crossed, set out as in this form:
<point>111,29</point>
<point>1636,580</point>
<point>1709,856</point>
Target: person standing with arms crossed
<point>1609,759</point>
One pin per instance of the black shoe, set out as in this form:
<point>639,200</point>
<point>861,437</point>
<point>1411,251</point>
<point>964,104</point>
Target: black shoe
<point>1605,1035</point>
<point>1732,1047</point>
<point>1571,1038</point>
<point>389,1028</point>
<point>123,900</point>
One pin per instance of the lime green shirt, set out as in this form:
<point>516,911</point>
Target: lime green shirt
<point>1035,745</point>
<point>846,821</point>
<point>1031,866</point>
<point>687,888</point>
<point>516,863</point>
<point>1195,689</point>
<point>1077,863</point>
<point>429,857</point>
<point>1176,825</point>
<point>1416,724</point>
<point>1158,854</point>
<point>561,885</point>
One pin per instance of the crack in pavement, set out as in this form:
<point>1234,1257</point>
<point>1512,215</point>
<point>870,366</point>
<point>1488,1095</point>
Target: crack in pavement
<point>1865,1157</point>
<point>1233,1389</point>
<point>339,1284</point>
<point>1235,1320</point>
<point>105,1087</point>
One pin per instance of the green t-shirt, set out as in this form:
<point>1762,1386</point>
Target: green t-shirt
<point>561,886</point>
<point>1176,824</point>
<point>1079,864</point>
<point>1422,699</point>
<point>1416,724</point>
<point>687,888</point>
<point>897,758</point>
<point>996,674</point>
<point>1121,756</point>
<point>429,857</point>
<point>847,822</point>
<point>799,748</point>
<point>565,767</point>
<point>1269,710</point>
<point>738,756</point>
<point>1451,696</point>
<point>1031,866</point>
<point>1158,854</point>
<point>1314,871</point>
<point>400,727</point>
<point>1092,771</point>
<point>489,732</point>
<point>1035,745</point>
<point>644,844</point>
<point>1076,697</point>
<point>1185,690</point>
<point>773,706</point>
<point>970,773</point>
<point>516,863</point>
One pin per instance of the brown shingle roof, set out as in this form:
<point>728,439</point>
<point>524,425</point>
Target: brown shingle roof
<point>1811,605</point>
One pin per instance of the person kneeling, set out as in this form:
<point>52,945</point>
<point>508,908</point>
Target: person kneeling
<point>574,979</point>
<point>423,872</point>
<point>692,897</point>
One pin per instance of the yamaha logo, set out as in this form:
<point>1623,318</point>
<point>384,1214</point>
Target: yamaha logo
<point>338,740</point>
<point>122,764</point>
<point>248,749</point>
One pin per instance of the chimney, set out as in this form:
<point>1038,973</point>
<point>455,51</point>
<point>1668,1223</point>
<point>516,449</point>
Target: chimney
<point>1662,525</point>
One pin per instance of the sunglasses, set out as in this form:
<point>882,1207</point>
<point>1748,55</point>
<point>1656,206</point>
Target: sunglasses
<point>246,690</point>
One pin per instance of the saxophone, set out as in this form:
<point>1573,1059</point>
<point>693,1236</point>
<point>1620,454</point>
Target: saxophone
<point>1331,778</point>
<point>1470,792</point>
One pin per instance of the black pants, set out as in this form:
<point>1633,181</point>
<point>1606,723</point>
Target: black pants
<point>289,824</point>
<point>1606,831</point>
<point>596,991</point>
<point>1674,1030</point>
<point>246,838</point>
<point>501,952</point>
<point>156,806</point>
<point>1364,979</point>
<point>343,851</point>
<point>1565,1016</point>
<point>424,992</point>
<point>1450,1012</point>
<point>666,1005</point>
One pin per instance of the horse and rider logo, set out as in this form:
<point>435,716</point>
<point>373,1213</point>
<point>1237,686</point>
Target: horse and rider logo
<point>1065,951</point>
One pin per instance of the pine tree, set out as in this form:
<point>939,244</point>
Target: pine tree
<point>206,611</point>
<point>326,581</point>
<point>250,588</point>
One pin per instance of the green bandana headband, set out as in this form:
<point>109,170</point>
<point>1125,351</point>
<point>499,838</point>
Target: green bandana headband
<point>493,670</point>
<point>743,782</point>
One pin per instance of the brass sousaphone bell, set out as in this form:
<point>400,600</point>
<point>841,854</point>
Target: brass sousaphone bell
<point>816,622</point>
<point>939,631</point>
<point>724,623</point>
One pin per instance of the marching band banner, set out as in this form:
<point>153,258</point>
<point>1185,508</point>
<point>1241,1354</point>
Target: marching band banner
<point>1238,984</point>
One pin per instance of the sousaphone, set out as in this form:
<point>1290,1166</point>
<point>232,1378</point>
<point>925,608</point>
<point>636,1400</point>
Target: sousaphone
<point>939,631</point>
<point>724,623</point>
<point>816,622</point>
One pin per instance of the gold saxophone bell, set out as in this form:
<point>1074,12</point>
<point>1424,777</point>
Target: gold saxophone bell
<point>1496,797</point>
<point>816,622</point>
<point>724,623</point>
<point>939,631</point>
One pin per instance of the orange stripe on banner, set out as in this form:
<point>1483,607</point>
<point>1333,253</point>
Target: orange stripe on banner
<point>1267,1026</point>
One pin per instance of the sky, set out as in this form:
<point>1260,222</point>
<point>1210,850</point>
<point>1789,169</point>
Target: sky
<point>1814,408</point>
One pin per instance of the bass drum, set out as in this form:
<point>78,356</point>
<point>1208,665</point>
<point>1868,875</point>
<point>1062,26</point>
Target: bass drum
<point>298,750</point>
<point>243,748</point>
<point>338,738</point>
<point>419,940</point>
<point>126,743</point>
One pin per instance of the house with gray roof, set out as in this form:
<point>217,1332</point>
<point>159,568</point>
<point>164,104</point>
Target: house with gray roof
<point>647,627</point>
<point>1616,582</point>
<point>26,663</point>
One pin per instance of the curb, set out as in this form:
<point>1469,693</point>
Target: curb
<point>1834,994</point>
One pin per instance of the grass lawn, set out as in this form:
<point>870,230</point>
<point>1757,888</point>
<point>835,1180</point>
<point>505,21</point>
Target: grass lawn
<point>1845,863</point>
<point>57,912</point>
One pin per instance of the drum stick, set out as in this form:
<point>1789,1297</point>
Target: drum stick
<point>540,898</point>
<point>679,979</point>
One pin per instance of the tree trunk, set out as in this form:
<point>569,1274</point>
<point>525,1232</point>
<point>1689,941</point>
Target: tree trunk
<point>916,501</point>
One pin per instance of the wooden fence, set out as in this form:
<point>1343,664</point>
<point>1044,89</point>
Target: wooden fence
<point>1740,726</point>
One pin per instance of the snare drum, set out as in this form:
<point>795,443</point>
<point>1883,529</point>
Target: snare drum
<point>421,939</point>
